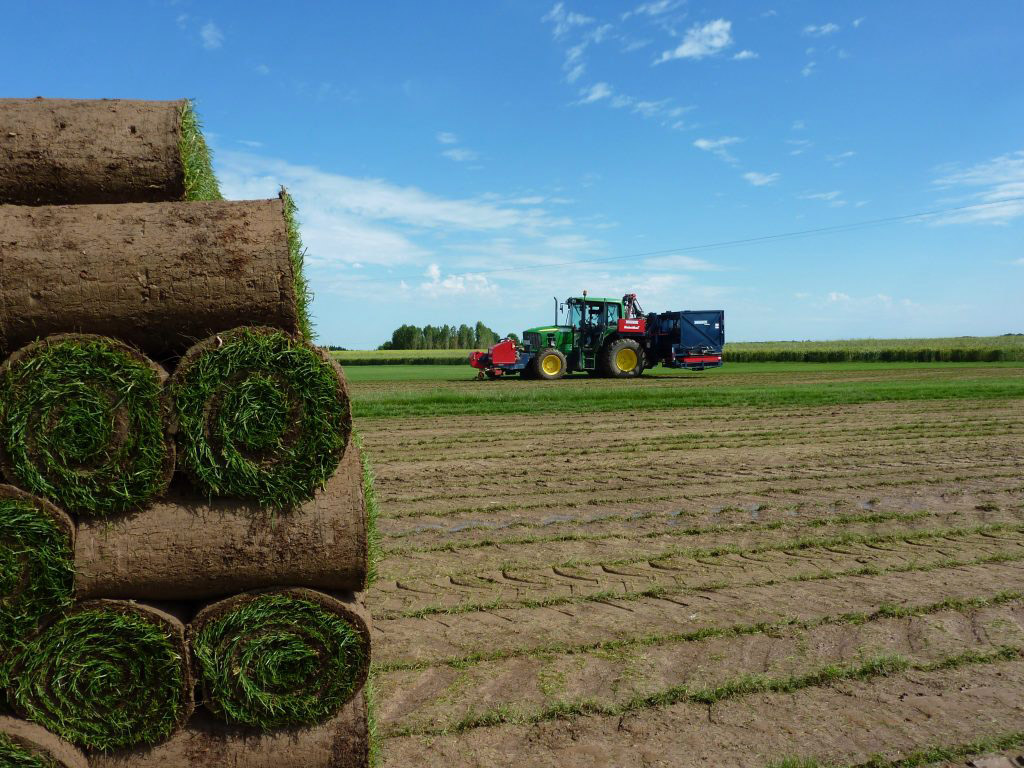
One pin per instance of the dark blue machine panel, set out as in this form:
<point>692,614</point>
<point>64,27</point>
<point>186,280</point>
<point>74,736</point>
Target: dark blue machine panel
<point>697,335</point>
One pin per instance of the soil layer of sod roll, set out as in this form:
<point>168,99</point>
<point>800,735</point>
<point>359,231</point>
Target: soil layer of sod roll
<point>341,742</point>
<point>108,675</point>
<point>259,415</point>
<point>66,151</point>
<point>160,276</point>
<point>27,745</point>
<point>36,567</point>
<point>184,548</point>
<point>280,658</point>
<point>83,423</point>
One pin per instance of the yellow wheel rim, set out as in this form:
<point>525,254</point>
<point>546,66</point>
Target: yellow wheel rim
<point>551,365</point>
<point>625,359</point>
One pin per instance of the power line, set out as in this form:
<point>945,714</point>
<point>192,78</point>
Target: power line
<point>742,241</point>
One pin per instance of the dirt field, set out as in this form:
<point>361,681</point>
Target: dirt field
<point>732,585</point>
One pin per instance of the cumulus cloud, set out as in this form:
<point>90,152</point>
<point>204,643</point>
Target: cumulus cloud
<point>700,41</point>
<point>821,30</point>
<point>438,284</point>
<point>745,55</point>
<point>761,179</point>
<point>808,69</point>
<point>211,36</point>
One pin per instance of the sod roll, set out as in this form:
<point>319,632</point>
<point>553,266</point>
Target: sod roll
<point>259,415</point>
<point>64,151</point>
<point>341,742</point>
<point>26,745</point>
<point>83,424</point>
<point>280,658</point>
<point>160,276</point>
<point>36,567</point>
<point>182,548</point>
<point>108,675</point>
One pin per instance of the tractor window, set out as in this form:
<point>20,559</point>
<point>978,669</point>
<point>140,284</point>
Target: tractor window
<point>614,313</point>
<point>595,311</point>
<point>574,314</point>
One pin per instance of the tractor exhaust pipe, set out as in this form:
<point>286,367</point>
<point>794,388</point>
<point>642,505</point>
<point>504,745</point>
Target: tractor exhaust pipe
<point>556,309</point>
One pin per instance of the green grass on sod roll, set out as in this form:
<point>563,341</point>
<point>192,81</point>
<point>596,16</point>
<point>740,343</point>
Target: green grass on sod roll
<point>36,572</point>
<point>303,293</point>
<point>278,660</point>
<point>262,416</point>
<point>101,678</point>
<point>82,424</point>
<point>13,755</point>
<point>200,182</point>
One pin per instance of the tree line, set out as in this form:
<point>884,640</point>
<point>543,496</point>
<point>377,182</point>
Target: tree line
<point>442,337</point>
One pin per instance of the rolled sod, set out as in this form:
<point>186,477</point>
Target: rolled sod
<point>26,745</point>
<point>185,549</point>
<point>259,415</point>
<point>280,658</point>
<point>160,276</point>
<point>83,424</point>
<point>341,742</point>
<point>108,675</point>
<point>66,151</point>
<point>36,567</point>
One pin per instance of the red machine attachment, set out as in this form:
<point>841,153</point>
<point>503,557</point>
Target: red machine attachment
<point>503,353</point>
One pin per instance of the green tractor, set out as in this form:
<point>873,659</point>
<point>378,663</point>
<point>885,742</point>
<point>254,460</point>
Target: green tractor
<point>608,337</point>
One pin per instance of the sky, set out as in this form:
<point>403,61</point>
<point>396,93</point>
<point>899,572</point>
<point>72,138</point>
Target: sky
<point>463,161</point>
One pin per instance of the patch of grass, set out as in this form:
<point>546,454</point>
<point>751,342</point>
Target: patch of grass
<point>375,552</point>
<point>262,417</point>
<point>297,252</point>
<point>200,181</point>
<point>14,755</point>
<point>82,424</point>
<point>278,660</point>
<point>376,756</point>
<point>37,572</point>
<point>101,678</point>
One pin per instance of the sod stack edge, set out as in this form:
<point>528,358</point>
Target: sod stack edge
<point>73,151</point>
<point>184,548</point>
<point>160,276</point>
<point>108,675</point>
<point>84,423</point>
<point>27,745</point>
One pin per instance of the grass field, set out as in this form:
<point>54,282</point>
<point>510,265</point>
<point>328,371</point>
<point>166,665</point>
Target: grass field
<point>959,349</point>
<point>766,564</point>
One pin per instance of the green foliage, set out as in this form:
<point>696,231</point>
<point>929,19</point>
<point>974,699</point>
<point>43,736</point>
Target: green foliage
<point>278,660</point>
<point>200,182</point>
<point>262,417</point>
<point>36,572</point>
<point>441,337</point>
<point>82,424</point>
<point>963,349</point>
<point>297,253</point>
<point>13,755</point>
<point>103,678</point>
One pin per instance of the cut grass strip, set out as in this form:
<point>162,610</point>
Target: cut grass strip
<point>82,423</point>
<point>374,550</point>
<point>196,161</point>
<point>884,611</point>
<point>37,571</point>
<point>663,591</point>
<point>744,685</point>
<point>260,415</point>
<point>14,755</point>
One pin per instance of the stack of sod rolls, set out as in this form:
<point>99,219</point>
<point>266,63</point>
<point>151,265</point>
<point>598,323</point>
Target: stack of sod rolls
<point>183,534</point>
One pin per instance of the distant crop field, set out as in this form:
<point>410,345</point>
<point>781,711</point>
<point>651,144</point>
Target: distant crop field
<point>805,564</point>
<point>955,349</point>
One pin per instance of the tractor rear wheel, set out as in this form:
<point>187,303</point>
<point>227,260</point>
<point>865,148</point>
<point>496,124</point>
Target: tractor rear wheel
<point>622,359</point>
<point>548,364</point>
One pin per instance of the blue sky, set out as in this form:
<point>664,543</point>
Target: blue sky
<point>438,149</point>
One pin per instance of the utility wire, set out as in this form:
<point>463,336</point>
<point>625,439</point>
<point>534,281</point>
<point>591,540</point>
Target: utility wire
<point>743,241</point>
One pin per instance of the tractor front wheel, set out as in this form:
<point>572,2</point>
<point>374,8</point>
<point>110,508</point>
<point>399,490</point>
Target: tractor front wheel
<point>622,359</point>
<point>548,364</point>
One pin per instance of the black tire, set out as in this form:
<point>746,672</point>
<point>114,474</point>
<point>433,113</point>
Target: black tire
<point>622,359</point>
<point>543,366</point>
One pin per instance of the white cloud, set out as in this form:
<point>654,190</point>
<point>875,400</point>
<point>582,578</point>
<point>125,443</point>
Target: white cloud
<point>596,92</point>
<point>761,179</point>
<point>821,30</point>
<point>447,137</point>
<point>745,55</point>
<point>997,181</point>
<point>250,143</point>
<point>455,285</point>
<point>840,160</point>
<point>460,154</point>
<point>565,20</point>
<point>211,36</point>
<point>798,125</point>
<point>833,198</point>
<point>262,69</point>
<point>1019,262</point>
<point>718,146</point>
<point>838,296</point>
<point>681,262</point>
<point>808,69</point>
<point>701,41</point>
<point>857,22</point>
<point>655,8</point>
